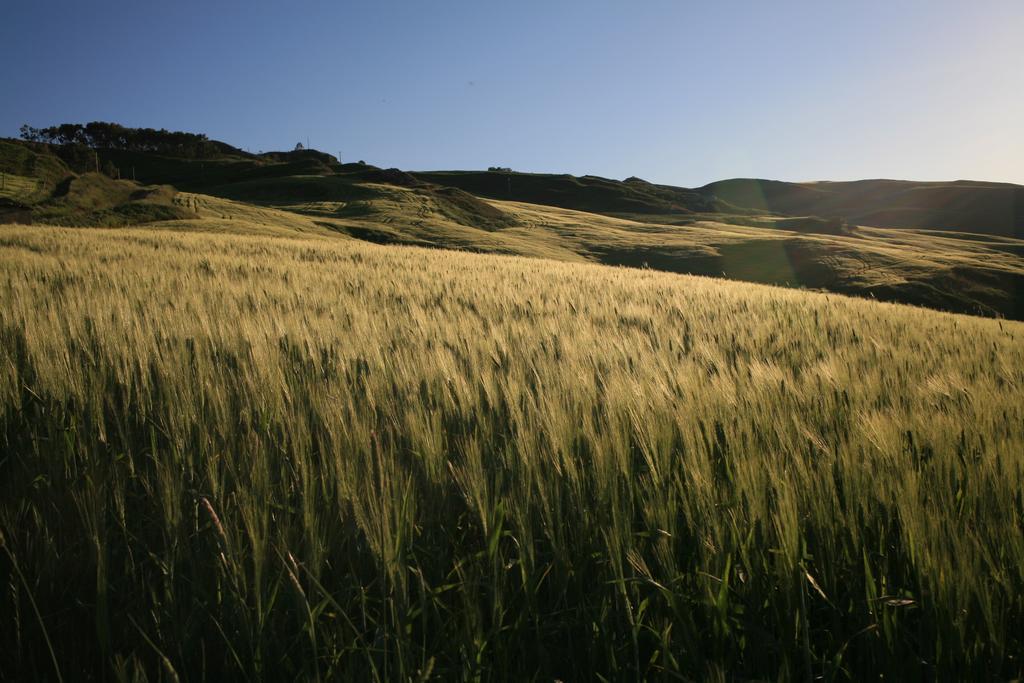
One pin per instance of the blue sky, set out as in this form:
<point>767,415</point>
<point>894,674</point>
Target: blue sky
<point>674,92</point>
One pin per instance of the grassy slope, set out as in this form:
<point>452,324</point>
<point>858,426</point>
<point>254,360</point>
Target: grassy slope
<point>199,174</point>
<point>31,176</point>
<point>957,272</point>
<point>93,199</point>
<point>971,206</point>
<point>58,196</point>
<point>284,458</point>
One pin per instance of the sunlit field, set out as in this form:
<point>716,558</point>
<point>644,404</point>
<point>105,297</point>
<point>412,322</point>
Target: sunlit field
<point>275,458</point>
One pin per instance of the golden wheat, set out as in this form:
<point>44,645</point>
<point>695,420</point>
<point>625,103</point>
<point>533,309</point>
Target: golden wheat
<point>272,457</point>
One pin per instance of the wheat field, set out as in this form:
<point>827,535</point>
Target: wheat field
<point>272,458</point>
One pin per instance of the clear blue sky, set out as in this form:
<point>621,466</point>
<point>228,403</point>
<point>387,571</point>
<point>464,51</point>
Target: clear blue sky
<point>675,92</point>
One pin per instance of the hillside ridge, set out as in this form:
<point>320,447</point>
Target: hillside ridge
<point>820,235</point>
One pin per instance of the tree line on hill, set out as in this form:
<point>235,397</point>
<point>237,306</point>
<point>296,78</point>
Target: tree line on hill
<point>104,135</point>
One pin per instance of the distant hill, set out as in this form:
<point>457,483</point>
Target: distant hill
<point>582,193</point>
<point>963,205</point>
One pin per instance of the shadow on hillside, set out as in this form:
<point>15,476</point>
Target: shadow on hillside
<point>775,262</point>
<point>812,265</point>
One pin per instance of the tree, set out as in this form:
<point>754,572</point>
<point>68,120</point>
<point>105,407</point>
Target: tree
<point>299,147</point>
<point>103,135</point>
<point>31,134</point>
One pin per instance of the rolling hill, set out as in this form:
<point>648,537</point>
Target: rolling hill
<point>966,206</point>
<point>593,194</point>
<point>954,247</point>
